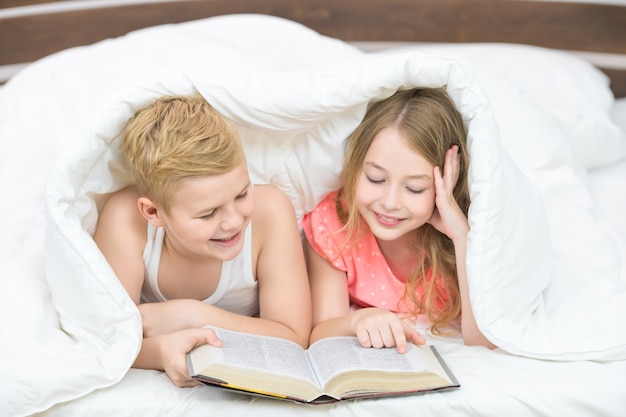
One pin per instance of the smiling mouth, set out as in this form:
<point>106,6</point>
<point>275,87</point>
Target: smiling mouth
<point>388,220</point>
<point>226,239</point>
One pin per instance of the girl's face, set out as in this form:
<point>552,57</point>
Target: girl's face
<point>395,192</point>
<point>208,215</point>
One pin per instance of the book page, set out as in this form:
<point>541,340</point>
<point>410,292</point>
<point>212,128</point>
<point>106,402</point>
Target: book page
<point>277,355</point>
<point>335,355</point>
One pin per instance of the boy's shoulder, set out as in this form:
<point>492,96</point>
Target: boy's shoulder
<point>271,204</point>
<point>121,206</point>
<point>123,199</point>
<point>268,194</point>
<point>121,227</point>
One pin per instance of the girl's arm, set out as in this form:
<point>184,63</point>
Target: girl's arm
<point>332,316</point>
<point>449,219</point>
<point>329,295</point>
<point>471,333</point>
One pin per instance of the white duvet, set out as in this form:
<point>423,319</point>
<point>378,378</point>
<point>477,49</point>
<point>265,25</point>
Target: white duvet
<point>546,251</point>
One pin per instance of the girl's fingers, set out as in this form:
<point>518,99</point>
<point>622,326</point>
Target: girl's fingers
<point>363,337</point>
<point>451,168</point>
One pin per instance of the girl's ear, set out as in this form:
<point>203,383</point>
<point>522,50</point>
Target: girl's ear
<point>150,212</point>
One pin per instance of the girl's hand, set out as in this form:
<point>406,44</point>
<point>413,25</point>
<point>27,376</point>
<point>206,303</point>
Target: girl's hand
<point>174,347</point>
<point>448,217</point>
<point>377,328</point>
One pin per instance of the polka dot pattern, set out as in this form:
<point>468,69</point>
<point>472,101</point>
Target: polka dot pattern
<point>370,280</point>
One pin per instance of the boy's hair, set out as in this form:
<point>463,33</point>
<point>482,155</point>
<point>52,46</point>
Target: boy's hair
<point>431,124</point>
<point>175,138</point>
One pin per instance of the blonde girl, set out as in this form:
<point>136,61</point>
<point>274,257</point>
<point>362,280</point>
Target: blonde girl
<point>390,243</point>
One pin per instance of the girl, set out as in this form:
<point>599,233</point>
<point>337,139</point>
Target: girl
<point>195,243</point>
<point>390,244</point>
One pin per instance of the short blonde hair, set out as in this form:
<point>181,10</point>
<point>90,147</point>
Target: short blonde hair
<point>175,138</point>
<point>431,123</point>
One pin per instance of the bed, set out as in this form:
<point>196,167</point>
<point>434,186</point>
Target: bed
<point>542,88</point>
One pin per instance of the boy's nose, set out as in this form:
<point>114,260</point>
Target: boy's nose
<point>232,220</point>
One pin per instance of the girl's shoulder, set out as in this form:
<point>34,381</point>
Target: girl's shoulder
<point>324,216</point>
<point>324,230</point>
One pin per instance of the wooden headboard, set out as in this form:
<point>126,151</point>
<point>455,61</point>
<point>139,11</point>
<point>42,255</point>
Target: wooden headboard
<point>31,29</point>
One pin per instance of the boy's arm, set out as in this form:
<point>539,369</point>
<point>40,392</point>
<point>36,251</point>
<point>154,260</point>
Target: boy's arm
<point>284,294</point>
<point>121,237</point>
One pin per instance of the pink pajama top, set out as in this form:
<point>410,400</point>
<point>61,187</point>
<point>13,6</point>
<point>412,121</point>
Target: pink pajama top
<point>370,280</point>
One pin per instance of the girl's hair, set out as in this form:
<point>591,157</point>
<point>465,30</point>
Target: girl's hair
<point>175,138</point>
<point>431,124</point>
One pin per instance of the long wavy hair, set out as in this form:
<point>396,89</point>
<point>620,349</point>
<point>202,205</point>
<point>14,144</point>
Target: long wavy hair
<point>431,124</point>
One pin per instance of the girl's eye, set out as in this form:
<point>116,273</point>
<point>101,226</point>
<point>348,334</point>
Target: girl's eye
<point>373,181</point>
<point>242,195</point>
<point>414,191</point>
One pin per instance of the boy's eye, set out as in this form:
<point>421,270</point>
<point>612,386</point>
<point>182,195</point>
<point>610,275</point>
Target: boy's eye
<point>213,212</point>
<point>209,215</point>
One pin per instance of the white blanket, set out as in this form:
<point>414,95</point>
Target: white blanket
<point>545,267</point>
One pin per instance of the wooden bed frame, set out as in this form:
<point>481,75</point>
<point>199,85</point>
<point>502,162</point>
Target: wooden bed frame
<point>31,29</point>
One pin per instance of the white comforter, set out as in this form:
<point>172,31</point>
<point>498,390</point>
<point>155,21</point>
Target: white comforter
<point>546,251</point>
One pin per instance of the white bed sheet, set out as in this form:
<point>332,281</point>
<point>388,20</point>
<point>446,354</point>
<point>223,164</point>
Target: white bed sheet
<point>494,383</point>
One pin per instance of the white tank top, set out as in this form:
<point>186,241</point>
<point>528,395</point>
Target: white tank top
<point>237,290</point>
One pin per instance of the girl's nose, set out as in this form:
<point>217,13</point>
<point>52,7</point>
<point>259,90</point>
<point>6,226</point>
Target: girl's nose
<point>390,199</point>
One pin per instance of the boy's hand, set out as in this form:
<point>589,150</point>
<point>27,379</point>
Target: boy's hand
<point>175,346</point>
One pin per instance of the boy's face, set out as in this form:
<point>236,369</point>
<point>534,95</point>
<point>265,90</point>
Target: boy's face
<point>395,193</point>
<point>208,215</point>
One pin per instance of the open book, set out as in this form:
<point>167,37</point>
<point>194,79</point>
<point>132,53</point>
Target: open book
<point>332,369</point>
